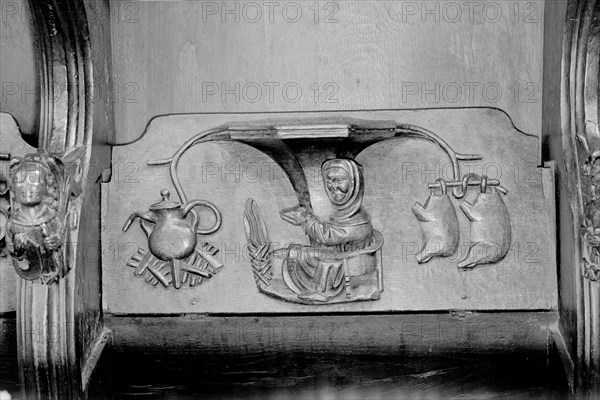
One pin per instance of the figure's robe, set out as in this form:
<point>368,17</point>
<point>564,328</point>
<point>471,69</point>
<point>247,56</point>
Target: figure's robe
<point>354,235</point>
<point>31,259</point>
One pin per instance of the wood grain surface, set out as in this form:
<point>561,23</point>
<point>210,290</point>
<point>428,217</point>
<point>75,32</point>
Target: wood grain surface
<point>446,355</point>
<point>243,56</point>
<point>19,80</point>
<point>396,175</point>
<point>379,334</point>
<point>401,356</point>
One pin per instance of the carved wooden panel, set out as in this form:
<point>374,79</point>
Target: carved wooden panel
<point>494,158</point>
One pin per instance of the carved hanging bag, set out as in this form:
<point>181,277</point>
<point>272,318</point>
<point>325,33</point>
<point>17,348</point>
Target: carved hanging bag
<point>490,227</point>
<point>439,225</point>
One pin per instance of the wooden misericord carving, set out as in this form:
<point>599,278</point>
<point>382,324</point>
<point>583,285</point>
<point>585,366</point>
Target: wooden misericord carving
<point>343,261</point>
<point>314,237</point>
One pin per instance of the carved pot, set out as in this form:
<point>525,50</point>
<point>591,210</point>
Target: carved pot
<point>172,239</point>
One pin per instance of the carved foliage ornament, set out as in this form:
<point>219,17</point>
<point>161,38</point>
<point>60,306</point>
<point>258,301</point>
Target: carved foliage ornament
<point>590,231</point>
<point>585,113</point>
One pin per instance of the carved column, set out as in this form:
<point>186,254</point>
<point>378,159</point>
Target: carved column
<point>581,146</point>
<point>59,320</point>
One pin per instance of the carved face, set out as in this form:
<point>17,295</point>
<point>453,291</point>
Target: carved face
<point>337,185</point>
<point>29,186</point>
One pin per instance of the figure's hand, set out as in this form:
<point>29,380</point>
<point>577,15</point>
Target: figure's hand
<point>19,244</point>
<point>23,240</point>
<point>295,216</point>
<point>53,242</point>
<point>281,254</point>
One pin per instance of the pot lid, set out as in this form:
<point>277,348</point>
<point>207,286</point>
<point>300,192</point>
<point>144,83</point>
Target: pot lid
<point>165,203</point>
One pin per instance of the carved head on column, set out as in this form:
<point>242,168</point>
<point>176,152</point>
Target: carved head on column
<point>34,187</point>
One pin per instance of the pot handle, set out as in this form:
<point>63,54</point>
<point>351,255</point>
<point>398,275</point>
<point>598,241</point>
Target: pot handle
<point>195,221</point>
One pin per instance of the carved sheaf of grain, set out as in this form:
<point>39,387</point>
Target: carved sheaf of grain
<point>259,247</point>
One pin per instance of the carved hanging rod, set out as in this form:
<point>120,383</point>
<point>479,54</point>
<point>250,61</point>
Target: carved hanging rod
<point>346,128</point>
<point>490,182</point>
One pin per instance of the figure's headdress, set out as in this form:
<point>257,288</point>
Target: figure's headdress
<point>351,212</point>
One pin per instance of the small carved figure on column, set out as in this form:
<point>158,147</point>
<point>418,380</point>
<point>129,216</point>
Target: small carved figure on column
<point>34,232</point>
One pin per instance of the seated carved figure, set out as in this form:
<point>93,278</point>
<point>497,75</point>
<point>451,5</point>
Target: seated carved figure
<point>33,232</point>
<point>347,231</point>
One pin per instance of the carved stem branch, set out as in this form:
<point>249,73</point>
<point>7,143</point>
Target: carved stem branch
<point>454,157</point>
<point>212,134</point>
<point>174,160</point>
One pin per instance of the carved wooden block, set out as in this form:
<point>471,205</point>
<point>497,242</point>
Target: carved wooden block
<point>503,203</point>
